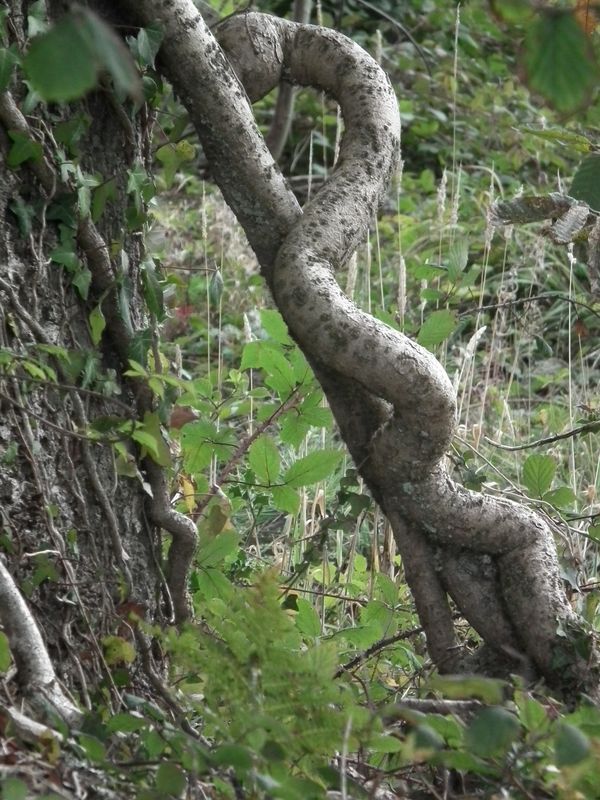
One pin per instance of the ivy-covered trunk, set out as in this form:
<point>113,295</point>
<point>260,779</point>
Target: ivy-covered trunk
<point>75,532</point>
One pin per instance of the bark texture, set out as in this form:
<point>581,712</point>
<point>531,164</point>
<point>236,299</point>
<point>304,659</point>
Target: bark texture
<point>75,535</point>
<point>393,401</point>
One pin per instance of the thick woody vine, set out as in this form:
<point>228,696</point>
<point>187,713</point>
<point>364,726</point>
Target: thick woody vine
<point>392,400</point>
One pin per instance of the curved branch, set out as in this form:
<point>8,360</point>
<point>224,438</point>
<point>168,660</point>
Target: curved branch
<point>392,400</point>
<point>36,673</point>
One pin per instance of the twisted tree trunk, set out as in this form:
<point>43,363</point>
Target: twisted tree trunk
<point>392,400</point>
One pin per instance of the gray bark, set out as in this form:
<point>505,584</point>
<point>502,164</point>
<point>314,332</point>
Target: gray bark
<point>65,511</point>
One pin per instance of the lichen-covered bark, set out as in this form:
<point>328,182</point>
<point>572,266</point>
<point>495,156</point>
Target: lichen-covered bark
<point>74,535</point>
<point>392,400</point>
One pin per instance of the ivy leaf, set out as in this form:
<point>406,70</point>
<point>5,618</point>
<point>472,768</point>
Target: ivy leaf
<point>436,328</point>
<point>559,61</point>
<point>586,181</point>
<point>538,474</point>
<point>97,324</point>
<point>148,44</point>
<point>24,148</point>
<point>61,63</point>
<point>312,468</point>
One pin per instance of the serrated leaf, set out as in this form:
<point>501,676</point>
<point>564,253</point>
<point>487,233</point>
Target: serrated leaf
<point>200,440</point>
<point>263,457</point>
<point>586,181</point>
<point>279,371</point>
<point>491,732</point>
<point>312,468</point>
<point>307,619</point>
<point>538,474</point>
<point>571,745</point>
<point>97,324</point>
<point>561,497</point>
<point>458,257</point>
<point>285,499</point>
<point>575,141</point>
<point>436,328</point>
<point>273,324</point>
<point>558,60</point>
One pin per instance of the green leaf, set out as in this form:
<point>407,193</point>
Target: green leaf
<point>153,292</point>
<point>279,371</point>
<point>117,650</point>
<point>148,44</point>
<point>82,281</point>
<point>575,141</point>
<point>233,755</point>
<point>126,723</point>
<point>61,63</point>
<point>571,745</point>
<point>263,457</point>
<point>561,497</point>
<point>312,468</point>
<point>285,499</point>
<point>458,258</point>
<point>558,60</point>
<point>111,53</point>
<point>8,59</point>
<point>24,148</point>
<point>97,324</point>
<point>201,440</point>
<point>14,789</point>
<point>273,324</point>
<point>458,687</point>
<point>307,619</point>
<point>215,287</point>
<point>436,328</point>
<point>514,11</point>
<point>170,780</point>
<point>5,655</point>
<point>150,436</point>
<point>101,195</point>
<point>94,749</point>
<point>216,549</point>
<point>538,474</point>
<point>586,181</point>
<point>491,732</point>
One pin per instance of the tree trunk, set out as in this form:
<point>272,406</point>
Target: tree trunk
<point>77,535</point>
